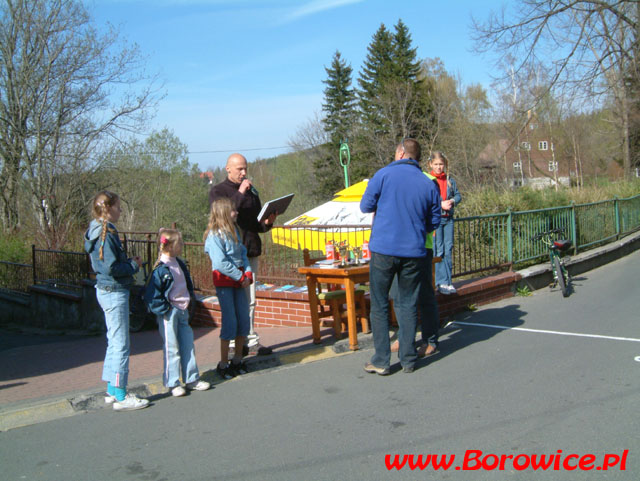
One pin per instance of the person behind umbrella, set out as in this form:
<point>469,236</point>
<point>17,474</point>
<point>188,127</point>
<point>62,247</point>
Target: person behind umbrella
<point>406,206</point>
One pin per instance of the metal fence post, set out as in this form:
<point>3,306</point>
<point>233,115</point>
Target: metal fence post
<point>150,264</point>
<point>509,237</point>
<point>33,262</point>
<point>574,229</point>
<point>616,209</point>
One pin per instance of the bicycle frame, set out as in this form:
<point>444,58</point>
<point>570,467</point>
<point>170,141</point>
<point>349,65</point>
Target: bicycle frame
<point>556,250</point>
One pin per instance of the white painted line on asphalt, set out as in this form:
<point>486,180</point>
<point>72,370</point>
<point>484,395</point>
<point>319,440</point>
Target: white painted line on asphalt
<point>543,331</point>
<point>637,358</point>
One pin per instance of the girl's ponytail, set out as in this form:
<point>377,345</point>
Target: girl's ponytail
<point>102,202</point>
<point>103,236</point>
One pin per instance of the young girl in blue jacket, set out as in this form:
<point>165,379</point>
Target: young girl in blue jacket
<point>114,276</point>
<point>168,295</point>
<point>231,274</point>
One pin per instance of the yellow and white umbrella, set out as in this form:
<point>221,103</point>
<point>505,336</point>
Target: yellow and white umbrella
<point>338,220</point>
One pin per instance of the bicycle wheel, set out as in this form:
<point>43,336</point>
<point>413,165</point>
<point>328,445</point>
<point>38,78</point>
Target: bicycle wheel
<point>137,321</point>
<point>560,276</point>
<point>137,311</point>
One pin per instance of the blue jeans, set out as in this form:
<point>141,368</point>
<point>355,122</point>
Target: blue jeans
<point>178,350</point>
<point>234,306</point>
<point>409,272</point>
<point>443,248</point>
<point>427,305</point>
<point>115,304</point>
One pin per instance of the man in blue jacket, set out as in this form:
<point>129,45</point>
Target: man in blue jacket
<point>406,206</point>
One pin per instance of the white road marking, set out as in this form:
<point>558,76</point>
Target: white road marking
<point>637,358</point>
<point>544,331</point>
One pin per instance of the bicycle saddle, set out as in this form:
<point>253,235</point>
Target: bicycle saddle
<point>562,245</point>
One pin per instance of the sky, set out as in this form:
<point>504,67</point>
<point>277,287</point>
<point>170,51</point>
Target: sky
<point>246,75</point>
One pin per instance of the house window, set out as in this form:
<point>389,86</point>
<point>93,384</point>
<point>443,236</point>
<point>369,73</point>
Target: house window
<point>543,145</point>
<point>525,145</point>
<point>553,166</point>
<point>517,166</point>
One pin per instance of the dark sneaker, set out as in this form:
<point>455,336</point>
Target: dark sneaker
<point>408,369</point>
<point>239,367</point>
<point>225,371</point>
<point>382,371</point>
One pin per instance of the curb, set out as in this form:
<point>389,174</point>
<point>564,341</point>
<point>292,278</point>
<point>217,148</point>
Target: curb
<point>36,414</point>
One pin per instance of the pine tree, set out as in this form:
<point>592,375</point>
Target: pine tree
<point>340,115</point>
<point>339,100</point>
<point>376,71</point>
<point>405,64</point>
<point>393,99</point>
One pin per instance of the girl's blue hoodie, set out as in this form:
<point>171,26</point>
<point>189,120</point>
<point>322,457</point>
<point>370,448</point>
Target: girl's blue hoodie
<point>116,270</point>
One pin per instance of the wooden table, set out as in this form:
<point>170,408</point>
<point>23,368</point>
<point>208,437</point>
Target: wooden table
<point>348,277</point>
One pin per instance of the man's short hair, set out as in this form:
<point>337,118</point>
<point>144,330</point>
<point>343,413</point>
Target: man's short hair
<point>412,148</point>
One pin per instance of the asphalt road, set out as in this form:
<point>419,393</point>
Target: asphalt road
<point>530,376</point>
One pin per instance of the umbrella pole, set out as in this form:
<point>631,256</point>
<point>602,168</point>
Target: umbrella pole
<point>346,155</point>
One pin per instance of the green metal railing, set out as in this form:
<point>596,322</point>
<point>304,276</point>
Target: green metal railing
<point>482,244</point>
<point>489,242</point>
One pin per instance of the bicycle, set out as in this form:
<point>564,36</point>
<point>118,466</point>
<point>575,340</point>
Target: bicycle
<point>557,248</point>
<point>139,316</point>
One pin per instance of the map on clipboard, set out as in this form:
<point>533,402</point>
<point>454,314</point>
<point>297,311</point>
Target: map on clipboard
<point>278,205</point>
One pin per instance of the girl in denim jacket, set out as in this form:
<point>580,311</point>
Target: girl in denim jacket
<point>114,276</point>
<point>168,295</point>
<point>444,233</point>
<point>231,274</point>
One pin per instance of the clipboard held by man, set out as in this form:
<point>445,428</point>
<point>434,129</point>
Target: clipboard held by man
<point>276,206</point>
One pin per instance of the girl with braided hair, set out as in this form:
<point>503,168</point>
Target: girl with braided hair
<point>114,277</point>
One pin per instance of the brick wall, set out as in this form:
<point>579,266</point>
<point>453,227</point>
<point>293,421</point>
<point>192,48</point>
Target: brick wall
<point>477,292</point>
<point>273,309</point>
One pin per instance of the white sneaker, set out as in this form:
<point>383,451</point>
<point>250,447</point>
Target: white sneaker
<point>198,386</point>
<point>253,340</point>
<point>130,403</point>
<point>109,399</point>
<point>178,391</point>
<point>447,289</point>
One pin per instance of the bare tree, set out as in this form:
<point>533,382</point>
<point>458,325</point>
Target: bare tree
<point>64,88</point>
<point>587,47</point>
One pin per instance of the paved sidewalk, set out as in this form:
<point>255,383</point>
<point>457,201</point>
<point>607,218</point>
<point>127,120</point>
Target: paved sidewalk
<point>53,380</point>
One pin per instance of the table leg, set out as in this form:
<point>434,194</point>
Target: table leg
<point>351,314</point>
<point>312,289</point>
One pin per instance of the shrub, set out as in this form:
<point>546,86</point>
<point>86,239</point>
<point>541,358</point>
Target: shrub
<point>15,249</point>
